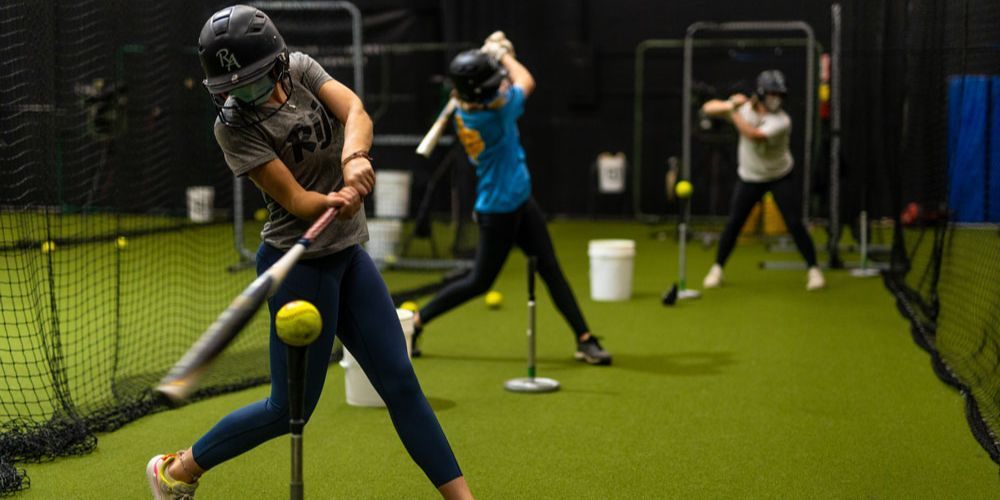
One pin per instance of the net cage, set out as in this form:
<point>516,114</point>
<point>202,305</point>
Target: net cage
<point>117,212</point>
<point>922,132</point>
<point>106,277</point>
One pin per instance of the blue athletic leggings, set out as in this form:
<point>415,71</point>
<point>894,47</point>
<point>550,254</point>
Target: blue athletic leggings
<point>355,304</point>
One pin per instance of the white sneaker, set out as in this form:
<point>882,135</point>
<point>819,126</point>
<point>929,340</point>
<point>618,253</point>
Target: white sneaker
<point>714,277</point>
<point>162,487</point>
<point>816,280</point>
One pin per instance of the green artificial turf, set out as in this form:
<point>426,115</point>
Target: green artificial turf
<point>756,390</point>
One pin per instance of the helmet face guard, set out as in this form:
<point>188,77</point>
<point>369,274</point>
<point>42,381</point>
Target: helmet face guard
<point>244,57</point>
<point>476,76</point>
<point>245,106</point>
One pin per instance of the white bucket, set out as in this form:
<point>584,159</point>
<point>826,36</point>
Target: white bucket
<point>611,263</point>
<point>392,193</point>
<point>200,200</point>
<point>357,387</point>
<point>406,321</point>
<point>383,239</point>
<point>611,173</point>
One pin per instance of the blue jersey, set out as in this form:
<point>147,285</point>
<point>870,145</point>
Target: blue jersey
<point>493,144</point>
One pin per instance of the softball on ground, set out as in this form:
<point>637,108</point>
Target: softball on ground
<point>298,323</point>
<point>494,299</point>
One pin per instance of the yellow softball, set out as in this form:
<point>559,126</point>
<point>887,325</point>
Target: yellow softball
<point>298,323</point>
<point>494,299</point>
<point>683,189</point>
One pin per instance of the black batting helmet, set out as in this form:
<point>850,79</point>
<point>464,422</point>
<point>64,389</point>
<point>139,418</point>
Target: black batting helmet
<point>238,46</point>
<point>476,76</point>
<point>771,81</point>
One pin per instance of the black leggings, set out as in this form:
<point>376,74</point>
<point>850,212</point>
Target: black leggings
<point>788,196</point>
<point>498,233</point>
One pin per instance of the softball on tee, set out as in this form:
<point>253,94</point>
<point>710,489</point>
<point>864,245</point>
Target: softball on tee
<point>298,323</point>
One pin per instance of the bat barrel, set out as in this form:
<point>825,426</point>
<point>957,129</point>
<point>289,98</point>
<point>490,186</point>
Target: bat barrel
<point>182,380</point>
<point>430,140</point>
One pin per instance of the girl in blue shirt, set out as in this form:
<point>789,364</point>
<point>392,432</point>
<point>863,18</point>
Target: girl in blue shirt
<point>492,87</point>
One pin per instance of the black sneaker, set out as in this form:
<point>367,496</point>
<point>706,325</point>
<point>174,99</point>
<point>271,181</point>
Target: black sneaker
<point>414,350</point>
<point>590,351</point>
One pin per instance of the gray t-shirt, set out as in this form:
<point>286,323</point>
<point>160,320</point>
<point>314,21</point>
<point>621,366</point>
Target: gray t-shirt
<point>769,159</point>
<point>309,141</point>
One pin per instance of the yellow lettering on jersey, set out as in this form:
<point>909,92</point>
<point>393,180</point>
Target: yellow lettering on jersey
<point>470,138</point>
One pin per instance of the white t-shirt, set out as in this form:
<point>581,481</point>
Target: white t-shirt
<point>769,159</point>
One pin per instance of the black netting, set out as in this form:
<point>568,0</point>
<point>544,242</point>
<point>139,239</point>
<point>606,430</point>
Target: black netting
<point>906,136</point>
<point>104,278</point>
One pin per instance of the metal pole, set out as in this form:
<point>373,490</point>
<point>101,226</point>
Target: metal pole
<point>685,157</point>
<point>682,257</point>
<point>238,216</point>
<point>864,239</point>
<point>296,487</point>
<point>637,118</point>
<point>296,408</point>
<point>531,317</point>
<point>686,106</point>
<point>864,270</point>
<point>835,135</point>
<point>810,121</point>
<point>356,35</point>
<point>246,256</point>
<point>683,293</point>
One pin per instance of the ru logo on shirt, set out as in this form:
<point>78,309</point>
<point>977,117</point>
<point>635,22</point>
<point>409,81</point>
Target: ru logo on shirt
<point>314,131</point>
